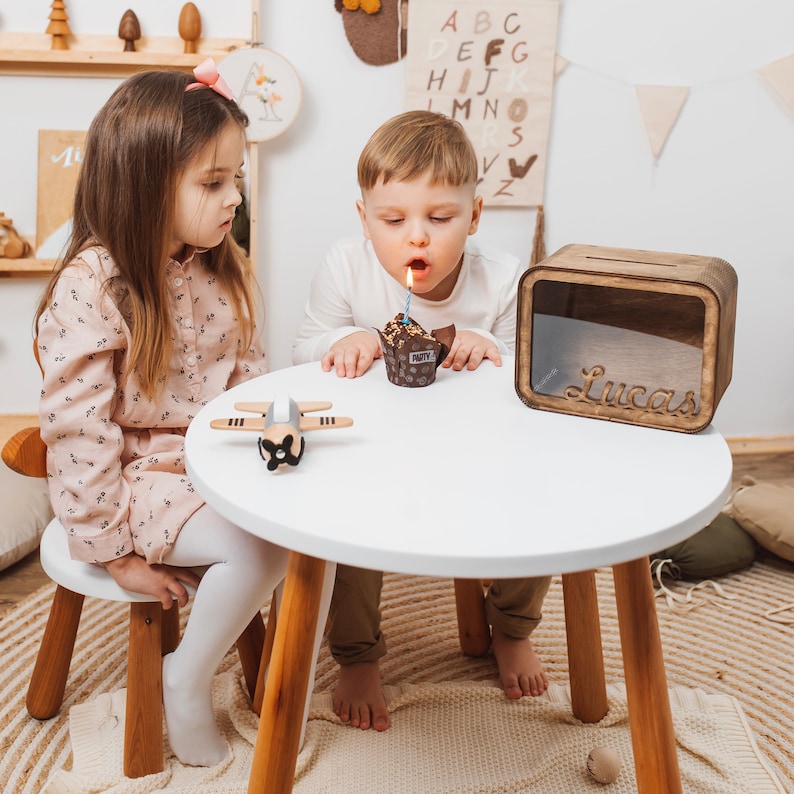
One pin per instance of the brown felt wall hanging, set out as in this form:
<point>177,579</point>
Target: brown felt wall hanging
<point>376,29</point>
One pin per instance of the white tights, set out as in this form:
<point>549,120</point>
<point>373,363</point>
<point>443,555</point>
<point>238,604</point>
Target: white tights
<point>243,571</point>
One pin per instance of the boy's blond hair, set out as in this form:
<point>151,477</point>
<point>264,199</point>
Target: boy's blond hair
<point>416,143</point>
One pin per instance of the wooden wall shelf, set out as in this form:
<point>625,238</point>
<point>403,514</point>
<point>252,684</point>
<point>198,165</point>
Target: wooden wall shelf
<point>31,54</point>
<point>28,266</point>
<point>34,268</point>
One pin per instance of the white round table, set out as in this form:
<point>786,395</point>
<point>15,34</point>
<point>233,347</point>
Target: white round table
<point>461,479</point>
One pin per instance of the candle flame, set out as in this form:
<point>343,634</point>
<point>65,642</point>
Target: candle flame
<point>409,278</point>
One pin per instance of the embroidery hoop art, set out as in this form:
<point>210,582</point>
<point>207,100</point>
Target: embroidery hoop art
<point>271,106</point>
<point>266,87</point>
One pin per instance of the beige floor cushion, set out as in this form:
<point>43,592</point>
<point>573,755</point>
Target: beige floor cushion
<point>24,512</point>
<point>766,511</point>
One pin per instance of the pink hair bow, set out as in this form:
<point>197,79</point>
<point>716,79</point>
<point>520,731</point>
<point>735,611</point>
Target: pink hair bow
<point>207,74</point>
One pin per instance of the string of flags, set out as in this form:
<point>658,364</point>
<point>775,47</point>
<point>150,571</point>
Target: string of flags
<point>660,105</point>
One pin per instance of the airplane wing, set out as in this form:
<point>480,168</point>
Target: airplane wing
<point>258,423</point>
<point>262,408</point>
<point>239,423</point>
<point>324,422</point>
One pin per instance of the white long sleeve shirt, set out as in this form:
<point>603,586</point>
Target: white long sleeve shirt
<point>352,292</point>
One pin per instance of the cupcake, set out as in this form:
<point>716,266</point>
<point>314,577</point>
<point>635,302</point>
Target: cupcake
<point>411,353</point>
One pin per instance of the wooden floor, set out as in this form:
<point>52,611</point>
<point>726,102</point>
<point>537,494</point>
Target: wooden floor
<point>27,576</point>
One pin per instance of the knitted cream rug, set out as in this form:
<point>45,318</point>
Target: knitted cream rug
<point>452,729</point>
<point>456,737</point>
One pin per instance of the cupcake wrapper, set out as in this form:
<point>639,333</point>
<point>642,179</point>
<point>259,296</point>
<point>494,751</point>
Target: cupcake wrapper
<point>414,363</point>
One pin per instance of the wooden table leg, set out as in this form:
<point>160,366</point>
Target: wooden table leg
<point>585,654</point>
<point>652,735</point>
<point>286,688</point>
<point>474,633</point>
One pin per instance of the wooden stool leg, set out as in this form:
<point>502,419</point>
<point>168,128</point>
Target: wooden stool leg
<point>143,730</point>
<point>267,652</point>
<point>170,629</point>
<point>650,719</point>
<point>585,655</point>
<point>249,648</point>
<point>473,629</point>
<point>48,682</point>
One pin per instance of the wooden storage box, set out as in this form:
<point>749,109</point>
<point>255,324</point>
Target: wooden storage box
<point>630,336</point>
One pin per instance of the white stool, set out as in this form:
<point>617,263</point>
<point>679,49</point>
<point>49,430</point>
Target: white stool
<point>154,631</point>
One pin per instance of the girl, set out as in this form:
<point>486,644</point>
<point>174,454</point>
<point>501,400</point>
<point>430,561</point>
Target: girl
<point>150,314</point>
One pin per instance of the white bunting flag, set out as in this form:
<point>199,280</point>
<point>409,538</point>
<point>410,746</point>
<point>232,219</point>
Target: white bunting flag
<point>779,75</point>
<point>559,64</point>
<point>660,106</point>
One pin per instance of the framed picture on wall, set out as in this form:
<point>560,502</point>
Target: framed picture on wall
<point>60,155</point>
<point>266,87</point>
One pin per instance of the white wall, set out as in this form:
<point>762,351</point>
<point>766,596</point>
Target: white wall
<point>722,186</point>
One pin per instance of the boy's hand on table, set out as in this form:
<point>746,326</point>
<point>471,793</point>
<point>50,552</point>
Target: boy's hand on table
<point>469,349</point>
<point>352,355</point>
<point>165,582</point>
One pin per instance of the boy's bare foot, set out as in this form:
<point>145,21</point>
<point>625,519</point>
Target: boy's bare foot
<point>358,698</point>
<point>520,670</point>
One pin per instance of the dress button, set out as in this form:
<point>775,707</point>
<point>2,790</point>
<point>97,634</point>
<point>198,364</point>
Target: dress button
<point>191,360</point>
<point>177,282</point>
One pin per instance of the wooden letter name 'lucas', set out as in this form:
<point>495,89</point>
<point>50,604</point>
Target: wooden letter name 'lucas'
<point>659,401</point>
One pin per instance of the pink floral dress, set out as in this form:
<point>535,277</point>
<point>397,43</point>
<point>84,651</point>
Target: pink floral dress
<point>116,460</point>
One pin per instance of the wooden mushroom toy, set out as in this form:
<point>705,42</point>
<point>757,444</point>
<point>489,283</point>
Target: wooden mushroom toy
<point>129,30</point>
<point>190,26</point>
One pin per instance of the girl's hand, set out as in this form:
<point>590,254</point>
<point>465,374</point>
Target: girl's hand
<point>165,582</point>
<point>352,355</point>
<point>469,349</point>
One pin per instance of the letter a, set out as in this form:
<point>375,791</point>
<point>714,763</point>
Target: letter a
<point>452,22</point>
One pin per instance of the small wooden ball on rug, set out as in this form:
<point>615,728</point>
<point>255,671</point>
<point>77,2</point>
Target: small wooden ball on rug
<point>603,764</point>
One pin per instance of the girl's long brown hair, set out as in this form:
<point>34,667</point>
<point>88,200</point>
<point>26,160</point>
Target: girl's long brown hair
<point>135,151</point>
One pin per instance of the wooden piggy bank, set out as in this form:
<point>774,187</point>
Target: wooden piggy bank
<point>630,336</point>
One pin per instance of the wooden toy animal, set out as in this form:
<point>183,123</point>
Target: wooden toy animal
<point>12,246</point>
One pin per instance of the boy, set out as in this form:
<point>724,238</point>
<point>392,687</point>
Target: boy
<point>418,207</point>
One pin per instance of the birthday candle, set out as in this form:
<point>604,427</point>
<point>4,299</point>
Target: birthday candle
<point>410,283</point>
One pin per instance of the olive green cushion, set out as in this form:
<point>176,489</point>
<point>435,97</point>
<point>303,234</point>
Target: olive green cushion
<point>719,548</point>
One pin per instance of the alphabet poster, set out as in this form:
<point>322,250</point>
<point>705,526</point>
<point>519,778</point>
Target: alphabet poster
<point>490,65</point>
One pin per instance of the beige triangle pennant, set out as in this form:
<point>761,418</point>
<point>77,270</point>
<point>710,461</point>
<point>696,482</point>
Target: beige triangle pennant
<point>660,106</point>
<point>560,62</point>
<point>779,75</point>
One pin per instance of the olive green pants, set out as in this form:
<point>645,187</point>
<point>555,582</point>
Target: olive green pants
<point>511,605</point>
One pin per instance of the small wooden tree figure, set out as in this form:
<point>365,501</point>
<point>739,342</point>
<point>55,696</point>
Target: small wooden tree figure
<point>59,26</point>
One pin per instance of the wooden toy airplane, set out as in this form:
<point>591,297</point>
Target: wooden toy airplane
<point>282,425</point>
